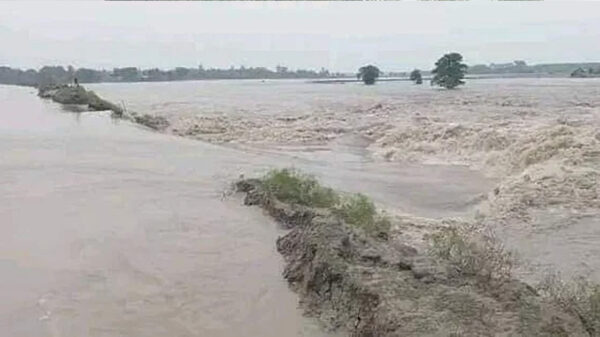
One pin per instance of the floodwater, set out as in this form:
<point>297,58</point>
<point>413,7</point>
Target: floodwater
<point>557,238</point>
<point>109,229</point>
<point>537,139</point>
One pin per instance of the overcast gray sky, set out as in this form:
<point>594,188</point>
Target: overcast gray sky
<point>340,36</point>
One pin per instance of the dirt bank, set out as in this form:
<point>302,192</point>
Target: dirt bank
<point>370,286</point>
<point>79,96</point>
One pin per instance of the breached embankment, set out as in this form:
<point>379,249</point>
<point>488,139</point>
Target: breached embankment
<point>537,167</point>
<point>78,95</point>
<point>537,139</point>
<point>377,286</point>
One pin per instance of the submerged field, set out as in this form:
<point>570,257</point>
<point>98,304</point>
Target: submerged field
<point>536,141</point>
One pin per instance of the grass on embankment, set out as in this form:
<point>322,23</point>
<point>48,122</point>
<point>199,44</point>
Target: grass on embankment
<point>472,253</point>
<point>464,248</point>
<point>294,187</point>
<point>483,256</point>
<point>579,296</point>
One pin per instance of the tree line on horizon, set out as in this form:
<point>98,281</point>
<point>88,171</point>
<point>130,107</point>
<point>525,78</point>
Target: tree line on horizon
<point>59,74</point>
<point>521,67</point>
<point>449,70</point>
<point>582,73</point>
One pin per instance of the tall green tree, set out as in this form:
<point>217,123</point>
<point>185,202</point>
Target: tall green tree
<point>368,74</point>
<point>449,71</point>
<point>416,77</point>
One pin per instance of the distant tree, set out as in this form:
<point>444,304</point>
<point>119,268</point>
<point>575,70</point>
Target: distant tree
<point>480,69</point>
<point>52,75</point>
<point>128,74</point>
<point>368,74</point>
<point>416,77</point>
<point>449,71</point>
<point>181,73</point>
<point>323,72</point>
<point>85,75</point>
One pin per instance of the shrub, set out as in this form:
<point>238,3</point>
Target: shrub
<point>473,254</point>
<point>294,187</point>
<point>578,296</point>
<point>359,210</point>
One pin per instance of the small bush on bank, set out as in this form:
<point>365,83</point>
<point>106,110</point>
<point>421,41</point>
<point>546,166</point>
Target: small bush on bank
<point>294,187</point>
<point>579,296</point>
<point>360,211</point>
<point>291,186</point>
<point>472,254</point>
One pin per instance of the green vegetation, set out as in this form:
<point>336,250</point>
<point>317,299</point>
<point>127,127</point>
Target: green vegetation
<point>48,75</point>
<point>472,254</point>
<point>359,210</point>
<point>590,72</point>
<point>71,95</point>
<point>579,296</point>
<point>59,75</point>
<point>449,71</point>
<point>484,257</point>
<point>516,67</point>
<point>294,187</point>
<point>416,77</point>
<point>368,74</point>
<point>521,67</point>
<point>75,94</point>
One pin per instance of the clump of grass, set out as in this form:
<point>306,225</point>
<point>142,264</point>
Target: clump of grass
<point>359,210</point>
<point>578,296</point>
<point>291,186</point>
<point>472,253</point>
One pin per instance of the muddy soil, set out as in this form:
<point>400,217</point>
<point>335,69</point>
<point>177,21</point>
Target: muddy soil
<point>374,287</point>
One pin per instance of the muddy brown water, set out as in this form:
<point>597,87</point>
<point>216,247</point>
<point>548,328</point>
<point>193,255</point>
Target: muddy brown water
<point>562,241</point>
<point>109,229</point>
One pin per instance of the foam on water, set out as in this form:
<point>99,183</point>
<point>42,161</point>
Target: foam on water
<point>536,138</point>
